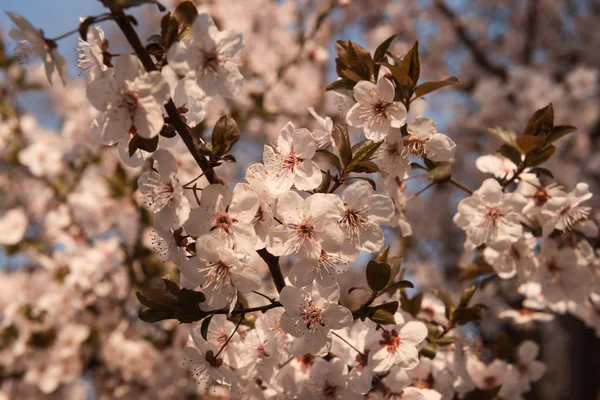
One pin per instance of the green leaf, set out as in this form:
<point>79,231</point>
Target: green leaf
<point>397,286</point>
<point>139,143</point>
<point>558,132</point>
<point>342,142</point>
<point>399,74</point>
<point>478,268</point>
<point>353,288</point>
<point>324,186</point>
<point>447,340</point>
<point>541,157</point>
<point>507,136</point>
<point>383,254</point>
<point>466,296</point>
<point>541,122</point>
<point>366,167</point>
<point>378,275</point>
<point>410,63</point>
<point>365,151</point>
<point>539,171</point>
<point>513,153</point>
<point>343,83</point>
<point>382,317</point>
<point>429,351</point>
<point>390,307</point>
<point>380,53</point>
<point>462,316</point>
<point>225,134</point>
<point>445,298</point>
<point>333,159</point>
<point>441,173</point>
<point>529,143</point>
<point>185,13</point>
<point>177,25</point>
<point>429,87</point>
<point>413,305</point>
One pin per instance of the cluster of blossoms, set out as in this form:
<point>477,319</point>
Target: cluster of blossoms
<point>313,205</point>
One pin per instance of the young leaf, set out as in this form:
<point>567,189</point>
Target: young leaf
<point>383,254</point>
<point>513,153</point>
<point>399,74</point>
<point>466,296</point>
<point>429,87</point>
<point>365,167</point>
<point>529,143</point>
<point>507,136</point>
<point>541,121</point>
<point>333,159</point>
<point>382,317</point>
<point>378,275</point>
<point>411,64</point>
<point>343,83</point>
<point>225,134</point>
<point>558,132</point>
<point>342,142</point>
<point>448,303</point>
<point>541,157</point>
<point>397,286</point>
<point>441,173</point>
<point>365,151</point>
<point>379,54</point>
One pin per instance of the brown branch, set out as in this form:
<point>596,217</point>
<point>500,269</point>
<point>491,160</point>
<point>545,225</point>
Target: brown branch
<point>531,29</point>
<point>183,130</point>
<point>479,55</point>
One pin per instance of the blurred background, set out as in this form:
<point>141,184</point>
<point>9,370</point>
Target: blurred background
<point>68,312</point>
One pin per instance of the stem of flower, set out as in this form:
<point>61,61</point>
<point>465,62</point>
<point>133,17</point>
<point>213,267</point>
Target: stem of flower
<point>420,191</point>
<point>230,336</point>
<point>460,185</point>
<point>184,131</point>
<point>348,343</point>
<point>264,295</point>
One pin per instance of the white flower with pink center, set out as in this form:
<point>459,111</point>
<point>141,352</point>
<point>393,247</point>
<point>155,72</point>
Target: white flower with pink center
<point>290,162</point>
<point>164,193</point>
<point>307,226</point>
<point>424,141</point>
<point>310,314</point>
<point>209,61</point>
<point>218,272</point>
<point>131,101</point>
<point>395,345</point>
<point>226,216</point>
<point>375,109</point>
<point>491,217</point>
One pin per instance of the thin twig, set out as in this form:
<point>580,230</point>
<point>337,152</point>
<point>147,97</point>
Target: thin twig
<point>460,185</point>
<point>348,343</point>
<point>230,336</point>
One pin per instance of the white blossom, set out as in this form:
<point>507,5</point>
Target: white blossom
<point>491,217</point>
<point>375,109</point>
<point>209,61</point>
<point>309,316</point>
<point>423,140</point>
<point>290,162</point>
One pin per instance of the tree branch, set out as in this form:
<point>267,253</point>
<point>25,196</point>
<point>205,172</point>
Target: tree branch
<point>479,55</point>
<point>184,132</point>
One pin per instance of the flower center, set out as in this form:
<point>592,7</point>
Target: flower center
<point>304,230</point>
<point>218,275</point>
<point>413,146</point>
<point>311,316</point>
<point>210,60</point>
<point>493,214</point>
<point>306,361</point>
<point>290,161</point>
<point>391,340</point>
<point>130,101</point>
<point>392,149</point>
<point>380,108</point>
<point>540,197</point>
<point>223,221</point>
